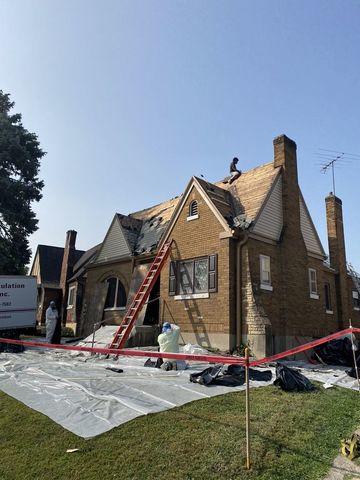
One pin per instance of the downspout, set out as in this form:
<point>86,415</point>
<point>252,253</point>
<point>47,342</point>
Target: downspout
<point>239,247</point>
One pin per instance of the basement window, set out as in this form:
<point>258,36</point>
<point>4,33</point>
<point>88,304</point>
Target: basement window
<point>356,300</point>
<point>313,284</point>
<point>71,297</point>
<point>265,274</point>
<point>116,295</point>
<point>193,211</point>
<point>327,292</point>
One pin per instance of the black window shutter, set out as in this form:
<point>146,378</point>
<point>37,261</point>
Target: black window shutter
<point>172,278</point>
<point>213,273</point>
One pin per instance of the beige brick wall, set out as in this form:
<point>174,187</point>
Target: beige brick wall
<point>95,276</point>
<point>207,320</point>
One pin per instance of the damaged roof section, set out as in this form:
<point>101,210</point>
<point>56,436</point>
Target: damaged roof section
<point>238,204</point>
<point>154,223</point>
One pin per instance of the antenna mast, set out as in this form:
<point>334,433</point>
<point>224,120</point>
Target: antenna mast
<point>333,157</point>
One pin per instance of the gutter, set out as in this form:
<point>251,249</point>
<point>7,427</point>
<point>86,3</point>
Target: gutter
<point>239,247</point>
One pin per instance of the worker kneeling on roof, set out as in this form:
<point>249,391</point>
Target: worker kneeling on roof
<point>169,342</point>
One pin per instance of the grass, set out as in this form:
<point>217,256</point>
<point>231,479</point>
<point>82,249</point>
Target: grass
<point>294,437</point>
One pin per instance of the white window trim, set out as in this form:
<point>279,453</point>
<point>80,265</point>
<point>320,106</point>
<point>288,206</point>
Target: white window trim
<point>116,293</point>
<point>110,309</point>
<point>313,294</point>
<point>72,305</point>
<point>191,296</point>
<point>192,217</point>
<point>330,312</point>
<point>263,285</point>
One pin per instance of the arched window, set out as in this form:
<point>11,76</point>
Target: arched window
<point>193,208</point>
<point>116,295</point>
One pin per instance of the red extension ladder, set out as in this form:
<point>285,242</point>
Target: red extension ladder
<point>124,330</point>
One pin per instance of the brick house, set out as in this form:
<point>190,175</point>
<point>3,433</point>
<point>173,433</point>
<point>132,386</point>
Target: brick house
<point>247,264</point>
<point>53,268</point>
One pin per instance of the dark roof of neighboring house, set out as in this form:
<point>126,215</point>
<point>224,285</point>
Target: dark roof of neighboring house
<point>50,261</point>
<point>84,260</point>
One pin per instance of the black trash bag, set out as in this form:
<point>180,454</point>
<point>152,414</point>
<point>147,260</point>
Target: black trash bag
<point>114,369</point>
<point>11,348</point>
<point>154,363</point>
<point>336,352</point>
<point>228,376</point>
<point>291,380</point>
<point>207,376</point>
<point>352,371</point>
<point>256,375</point>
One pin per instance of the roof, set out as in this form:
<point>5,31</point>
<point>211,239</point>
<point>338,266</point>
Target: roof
<point>238,203</point>
<point>250,189</point>
<point>154,221</point>
<point>84,260</point>
<point>50,262</point>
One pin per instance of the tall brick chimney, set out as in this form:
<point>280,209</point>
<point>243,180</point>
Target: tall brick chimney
<point>336,238</point>
<point>294,288</point>
<point>285,157</point>
<point>67,267</point>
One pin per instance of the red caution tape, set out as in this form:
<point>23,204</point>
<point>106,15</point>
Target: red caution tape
<point>184,356</point>
<point>303,348</point>
<point>130,353</point>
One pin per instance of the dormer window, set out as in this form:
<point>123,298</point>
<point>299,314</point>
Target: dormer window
<point>193,210</point>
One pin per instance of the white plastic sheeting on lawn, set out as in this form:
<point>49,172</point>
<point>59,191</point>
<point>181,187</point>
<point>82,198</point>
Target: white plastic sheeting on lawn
<point>85,398</point>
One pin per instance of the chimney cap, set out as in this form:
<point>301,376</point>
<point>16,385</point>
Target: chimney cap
<point>333,198</point>
<point>284,139</point>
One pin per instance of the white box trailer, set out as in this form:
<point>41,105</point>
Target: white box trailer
<point>18,302</point>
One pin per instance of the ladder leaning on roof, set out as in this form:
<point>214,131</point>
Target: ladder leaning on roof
<point>126,326</point>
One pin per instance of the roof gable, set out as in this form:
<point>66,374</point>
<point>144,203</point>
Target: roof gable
<point>115,244</point>
<point>211,194</point>
<point>308,230</point>
<point>269,221</point>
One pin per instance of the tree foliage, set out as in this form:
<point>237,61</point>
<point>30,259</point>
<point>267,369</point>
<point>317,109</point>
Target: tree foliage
<point>20,155</point>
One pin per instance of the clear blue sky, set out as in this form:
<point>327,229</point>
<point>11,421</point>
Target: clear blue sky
<point>132,98</point>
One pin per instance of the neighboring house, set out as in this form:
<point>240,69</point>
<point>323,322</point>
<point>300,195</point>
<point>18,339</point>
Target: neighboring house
<point>246,266</point>
<point>53,267</point>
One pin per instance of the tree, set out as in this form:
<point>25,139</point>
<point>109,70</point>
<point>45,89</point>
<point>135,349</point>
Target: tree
<point>20,155</point>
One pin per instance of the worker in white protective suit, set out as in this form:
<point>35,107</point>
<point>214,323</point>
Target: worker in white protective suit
<point>168,341</point>
<point>52,317</point>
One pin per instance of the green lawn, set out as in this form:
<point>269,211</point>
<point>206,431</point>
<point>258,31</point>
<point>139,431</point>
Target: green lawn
<point>294,436</point>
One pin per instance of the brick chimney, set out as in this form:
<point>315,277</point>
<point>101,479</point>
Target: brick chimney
<point>336,238</point>
<point>67,267</point>
<point>293,254</point>
<point>285,157</point>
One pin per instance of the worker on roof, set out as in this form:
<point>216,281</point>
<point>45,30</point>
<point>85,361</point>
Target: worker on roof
<point>234,172</point>
<point>52,324</point>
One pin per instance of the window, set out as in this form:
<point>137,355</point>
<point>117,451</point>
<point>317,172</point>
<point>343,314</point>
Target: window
<point>193,210</point>
<point>195,278</point>
<point>313,283</point>
<point>356,300</point>
<point>116,295</point>
<point>327,291</point>
<point>265,276</point>
<point>71,297</point>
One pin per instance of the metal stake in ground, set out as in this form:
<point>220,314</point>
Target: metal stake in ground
<point>354,356</point>
<point>247,402</point>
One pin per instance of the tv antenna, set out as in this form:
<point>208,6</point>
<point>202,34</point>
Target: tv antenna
<point>331,157</point>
